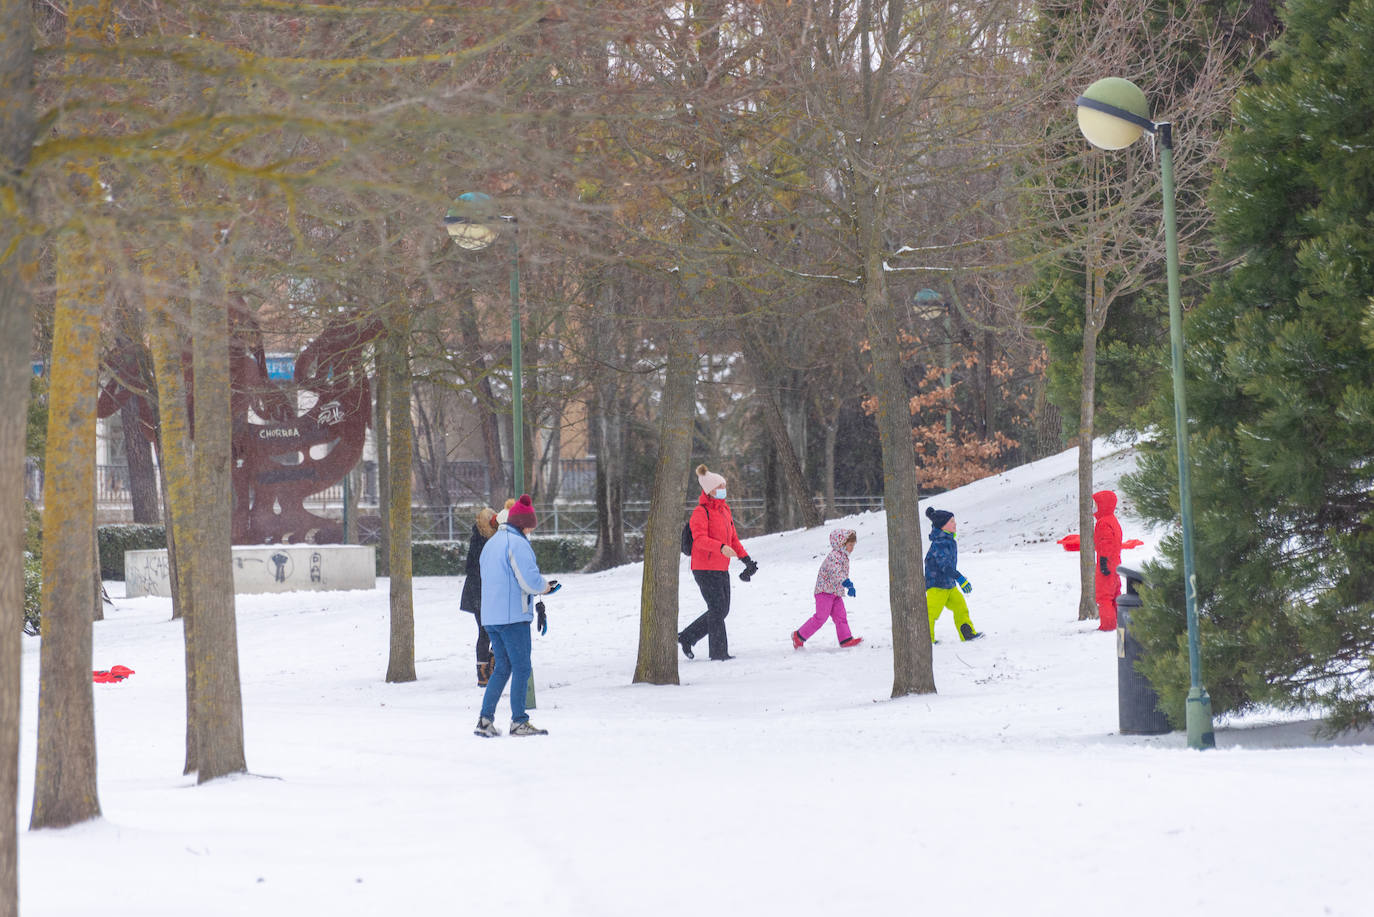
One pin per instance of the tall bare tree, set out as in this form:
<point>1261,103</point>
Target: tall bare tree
<point>176,450</point>
<point>401,658</point>
<point>17,134</point>
<point>65,771</point>
<point>656,662</point>
<point>215,657</point>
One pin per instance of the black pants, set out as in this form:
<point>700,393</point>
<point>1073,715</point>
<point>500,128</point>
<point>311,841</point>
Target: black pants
<point>483,641</point>
<point>715,589</point>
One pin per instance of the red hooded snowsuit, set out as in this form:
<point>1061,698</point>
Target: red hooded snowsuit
<point>1107,544</point>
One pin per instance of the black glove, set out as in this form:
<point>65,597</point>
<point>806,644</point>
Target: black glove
<point>750,568</point>
<point>1102,563</point>
<point>543,623</point>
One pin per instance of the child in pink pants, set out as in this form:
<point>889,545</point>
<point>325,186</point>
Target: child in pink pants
<point>832,582</point>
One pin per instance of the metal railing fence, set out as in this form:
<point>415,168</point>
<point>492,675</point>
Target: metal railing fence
<point>565,517</point>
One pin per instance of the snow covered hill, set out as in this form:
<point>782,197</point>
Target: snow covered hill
<point>782,782</point>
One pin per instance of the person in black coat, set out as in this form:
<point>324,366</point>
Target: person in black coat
<point>471,600</point>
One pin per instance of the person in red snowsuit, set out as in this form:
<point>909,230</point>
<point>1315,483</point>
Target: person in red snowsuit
<point>1107,544</point>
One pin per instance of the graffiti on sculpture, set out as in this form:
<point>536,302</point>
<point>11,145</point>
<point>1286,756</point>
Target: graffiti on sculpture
<point>290,441</point>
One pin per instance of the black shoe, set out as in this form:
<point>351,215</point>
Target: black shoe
<point>967,632</point>
<point>686,647</point>
<point>721,658</point>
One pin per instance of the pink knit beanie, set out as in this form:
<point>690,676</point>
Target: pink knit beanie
<point>708,479</point>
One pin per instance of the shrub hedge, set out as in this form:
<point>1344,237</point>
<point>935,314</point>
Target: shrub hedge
<point>448,558</point>
<point>114,540</point>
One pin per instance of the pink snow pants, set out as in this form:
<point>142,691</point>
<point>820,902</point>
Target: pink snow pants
<point>827,607</point>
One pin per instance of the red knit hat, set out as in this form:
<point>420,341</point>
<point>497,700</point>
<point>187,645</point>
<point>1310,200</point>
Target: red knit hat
<point>521,515</point>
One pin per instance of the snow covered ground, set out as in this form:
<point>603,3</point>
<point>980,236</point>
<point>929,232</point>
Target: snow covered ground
<point>782,782</point>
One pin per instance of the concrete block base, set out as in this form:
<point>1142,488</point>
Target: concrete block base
<point>267,568</point>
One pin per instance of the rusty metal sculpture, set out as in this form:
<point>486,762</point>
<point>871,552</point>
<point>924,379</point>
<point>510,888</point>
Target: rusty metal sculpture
<point>289,442</point>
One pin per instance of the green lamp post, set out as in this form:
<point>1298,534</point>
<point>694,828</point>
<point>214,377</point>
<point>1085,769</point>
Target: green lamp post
<point>473,224</point>
<point>1113,114</point>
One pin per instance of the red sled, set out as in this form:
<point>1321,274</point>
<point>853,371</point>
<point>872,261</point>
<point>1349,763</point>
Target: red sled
<point>115,673</point>
<point>1071,543</point>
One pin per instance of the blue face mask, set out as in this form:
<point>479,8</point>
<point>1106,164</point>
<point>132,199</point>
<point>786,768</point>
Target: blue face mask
<point>720,493</point>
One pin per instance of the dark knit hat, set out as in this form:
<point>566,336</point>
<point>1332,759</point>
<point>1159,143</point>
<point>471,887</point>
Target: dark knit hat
<point>521,515</point>
<point>938,517</point>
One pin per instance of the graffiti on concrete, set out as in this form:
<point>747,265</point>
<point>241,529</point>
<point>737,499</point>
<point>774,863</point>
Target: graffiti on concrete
<point>147,573</point>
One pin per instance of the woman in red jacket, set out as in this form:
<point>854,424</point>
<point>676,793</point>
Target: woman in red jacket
<point>714,542</point>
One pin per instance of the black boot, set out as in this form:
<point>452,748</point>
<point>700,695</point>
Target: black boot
<point>686,647</point>
<point>968,633</point>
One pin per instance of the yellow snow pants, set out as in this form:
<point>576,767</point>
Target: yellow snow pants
<point>937,600</point>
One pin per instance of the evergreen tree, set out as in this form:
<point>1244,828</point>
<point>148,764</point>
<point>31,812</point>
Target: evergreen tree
<point>1281,389</point>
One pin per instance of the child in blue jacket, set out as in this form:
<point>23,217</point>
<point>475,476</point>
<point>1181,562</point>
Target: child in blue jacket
<point>945,585</point>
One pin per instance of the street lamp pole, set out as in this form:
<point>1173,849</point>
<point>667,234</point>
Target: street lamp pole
<point>1113,113</point>
<point>517,365</point>
<point>473,225</point>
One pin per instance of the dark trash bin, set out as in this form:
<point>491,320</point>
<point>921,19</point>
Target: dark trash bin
<point>1137,702</point>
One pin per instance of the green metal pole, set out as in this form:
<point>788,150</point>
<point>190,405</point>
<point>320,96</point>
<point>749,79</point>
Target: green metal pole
<point>1198,712</point>
<point>518,398</point>
<point>517,370</point>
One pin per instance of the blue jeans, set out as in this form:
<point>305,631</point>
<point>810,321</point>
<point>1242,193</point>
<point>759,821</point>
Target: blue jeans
<point>510,647</point>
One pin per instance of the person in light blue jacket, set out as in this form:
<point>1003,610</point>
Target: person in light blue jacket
<point>510,581</point>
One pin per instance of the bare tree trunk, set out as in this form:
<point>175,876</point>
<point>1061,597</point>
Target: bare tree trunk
<point>355,486</point>
<point>219,699</point>
<point>606,439</point>
<point>802,507</point>
<point>382,429</point>
<point>16,336</point>
<point>65,777</point>
<point>176,447</point>
<point>832,434</point>
<point>614,438</point>
<point>401,659</point>
<point>138,452</point>
<point>605,431</point>
<point>553,457</point>
<point>658,608</point>
<point>97,584</point>
<point>913,671</point>
<point>799,508</point>
<point>486,405</point>
<point>1094,315</point>
<point>431,470</point>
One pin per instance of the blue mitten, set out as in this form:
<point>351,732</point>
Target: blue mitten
<point>849,588</point>
<point>965,586</point>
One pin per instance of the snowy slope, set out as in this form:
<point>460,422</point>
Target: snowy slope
<point>782,782</point>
